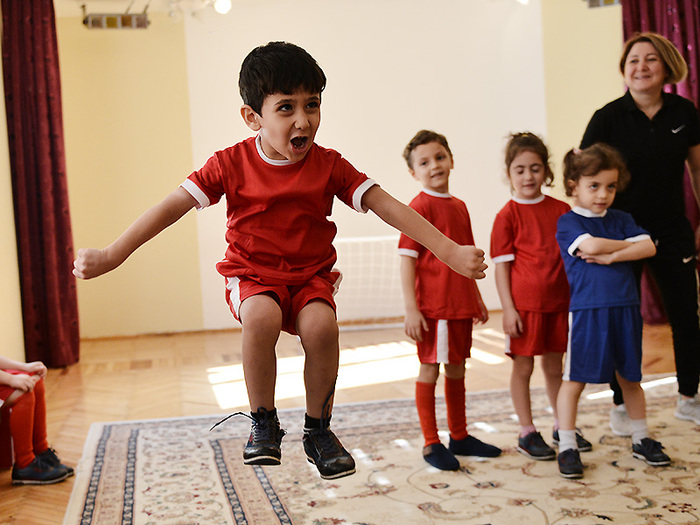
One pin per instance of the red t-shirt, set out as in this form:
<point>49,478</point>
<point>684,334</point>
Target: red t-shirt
<point>524,233</point>
<point>277,227</point>
<point>441,292</point>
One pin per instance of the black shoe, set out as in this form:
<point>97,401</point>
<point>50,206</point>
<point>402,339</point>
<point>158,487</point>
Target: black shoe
<point>651,451</point>
<point>582,443</point>
<point>439,457</point>
<point>38,472</point>
<point>471,446</point>
<point>324,450</point>
<point>49,456</point>
<point>264,443</point>
<point>534,447</point>
<point>570,465</point>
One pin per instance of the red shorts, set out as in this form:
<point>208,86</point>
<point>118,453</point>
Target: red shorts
<point>446,341</point>
<point>291,299</point>
<point>543,333</point>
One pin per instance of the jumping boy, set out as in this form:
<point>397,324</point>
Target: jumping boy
<point>279,187</point>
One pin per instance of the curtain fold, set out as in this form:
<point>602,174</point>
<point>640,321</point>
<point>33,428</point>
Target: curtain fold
<point>679,21</point>
<point>39,185</point>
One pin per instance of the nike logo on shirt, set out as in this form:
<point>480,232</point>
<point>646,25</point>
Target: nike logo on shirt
<point>686,260</point>
<point>676,130</point>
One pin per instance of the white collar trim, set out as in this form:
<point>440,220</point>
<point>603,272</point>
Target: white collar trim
<point>273,162</point>
<point>585,212</point>
<point>437,194</point>
<point>536,200</point>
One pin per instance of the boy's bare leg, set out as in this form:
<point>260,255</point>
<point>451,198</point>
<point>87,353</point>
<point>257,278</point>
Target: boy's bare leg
<point>633,395</point>
<point>318,329</point>
<point>261,318</point>
<point>567,403</point>
<point>552,369</point>
<point>520,388</point>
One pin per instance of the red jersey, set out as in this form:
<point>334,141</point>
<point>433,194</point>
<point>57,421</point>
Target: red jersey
<point>524,233</point>
<point>277,227</point>
<point>441,292</point>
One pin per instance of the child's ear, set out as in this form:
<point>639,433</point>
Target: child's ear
<point>250,117</point>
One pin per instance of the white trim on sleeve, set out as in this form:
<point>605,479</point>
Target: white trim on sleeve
<point>639,238</point>
<point>503,258</point>
<point>408,253</point>
<point>359,192</point>
<point>577,242</point>
<point>201,197</point>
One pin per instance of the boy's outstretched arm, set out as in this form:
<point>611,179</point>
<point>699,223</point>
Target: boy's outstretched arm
<point>465,260</point>
<point>93,263</point>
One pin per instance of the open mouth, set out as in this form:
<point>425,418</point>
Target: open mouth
<point>299,142</point>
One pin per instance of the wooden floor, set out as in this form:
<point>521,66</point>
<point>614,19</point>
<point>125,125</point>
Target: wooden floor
<point>199,373</point>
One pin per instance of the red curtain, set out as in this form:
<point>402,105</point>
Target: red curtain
<point>39,186</point>
<point>679,21</point>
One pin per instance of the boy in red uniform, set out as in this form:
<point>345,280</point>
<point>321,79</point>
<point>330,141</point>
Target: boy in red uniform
<point>279,188</point>
<point>441,305</point>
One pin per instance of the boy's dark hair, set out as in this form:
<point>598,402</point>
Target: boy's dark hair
<point>592,160</point>
<point>526,141</point>
<point>424,136</point>
<point>278,67</point>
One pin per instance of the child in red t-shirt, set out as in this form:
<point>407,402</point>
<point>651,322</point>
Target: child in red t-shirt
<point>22,390</point>
<point>532,285</point>
<point>441,305</point>
<point>279,188</point>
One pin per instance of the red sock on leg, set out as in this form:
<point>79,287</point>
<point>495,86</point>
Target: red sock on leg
<point>40,441</point>
<point>22,429</point>
<point>425,404</point>
<point>455,399</point>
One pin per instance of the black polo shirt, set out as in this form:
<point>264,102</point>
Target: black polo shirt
<point>655,151</point>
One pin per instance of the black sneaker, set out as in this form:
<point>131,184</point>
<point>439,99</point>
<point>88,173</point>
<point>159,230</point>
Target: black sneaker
<point>439,457</point>
<point>534,447</point>
<point>49,456</point>
<point>471,446</point>
<point>582,443</point>
<point>264,443</point>
<point>324,450</point>
<point>570,465</point>
<point>651,451</point>
<point>38,472</point>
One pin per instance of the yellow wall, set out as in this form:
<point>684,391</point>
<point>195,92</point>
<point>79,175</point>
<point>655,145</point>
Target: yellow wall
<point>128,144</point>
<point>11,336</point>
<point>581,53</point>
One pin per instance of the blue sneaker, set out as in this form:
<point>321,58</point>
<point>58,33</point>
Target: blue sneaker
<point>471,446</point>
<point>439,457</point>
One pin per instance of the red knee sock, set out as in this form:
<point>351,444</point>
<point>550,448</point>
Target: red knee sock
<point>425,404</point>
<point>22,429</point>
<point>39,439</point>
<point>28,425</point>
<point>455,399</point>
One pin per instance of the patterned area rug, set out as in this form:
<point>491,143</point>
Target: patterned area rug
<point>178,472</point>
